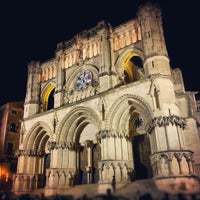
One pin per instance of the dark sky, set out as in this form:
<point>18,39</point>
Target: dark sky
<point>30,30</point>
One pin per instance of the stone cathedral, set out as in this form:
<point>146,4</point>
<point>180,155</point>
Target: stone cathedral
<point>108,105</point>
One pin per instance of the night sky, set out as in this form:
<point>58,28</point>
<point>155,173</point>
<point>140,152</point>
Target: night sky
<point>30,30</point>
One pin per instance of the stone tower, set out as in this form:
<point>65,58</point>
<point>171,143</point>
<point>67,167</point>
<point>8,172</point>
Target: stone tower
<point>108,104</point>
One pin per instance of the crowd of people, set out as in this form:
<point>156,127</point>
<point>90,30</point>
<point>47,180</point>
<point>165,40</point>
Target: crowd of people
<point>108,196</point>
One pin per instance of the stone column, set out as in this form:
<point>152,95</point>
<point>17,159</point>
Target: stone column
<point>89,145</point>
<point>116,157</point>
<point>78,149</point>
<point>105,69</point>
<point>167,159</point>
<point>59,93</point>
<point>28,177</point>
<point>31,105</point>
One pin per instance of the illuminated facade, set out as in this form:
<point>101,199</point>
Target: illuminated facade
<point>107,104</point>
<point>10,121</point>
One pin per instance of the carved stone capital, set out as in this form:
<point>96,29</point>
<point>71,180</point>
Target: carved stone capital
<point>162,121</point>
<point>64,145</point>
<point>107,134</point>
<point>178,156</point>
<point>51,145</point>
<point>89,143</point>
<point>30,152</point>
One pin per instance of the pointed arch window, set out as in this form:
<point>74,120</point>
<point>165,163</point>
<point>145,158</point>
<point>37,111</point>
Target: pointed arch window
<point>47,97</point>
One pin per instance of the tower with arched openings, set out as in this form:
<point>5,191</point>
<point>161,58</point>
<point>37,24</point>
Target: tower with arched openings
<point>108,104</point>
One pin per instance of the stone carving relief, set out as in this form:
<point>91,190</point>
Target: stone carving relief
<point>166,121</point>
<point>30,152</point>
<point>65,145</point>
<point>180,158</point>
<point>120,169</point>
<point>59,178</point>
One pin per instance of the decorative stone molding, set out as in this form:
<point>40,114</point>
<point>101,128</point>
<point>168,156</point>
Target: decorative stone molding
<point>166,121</point>
<point>59,178</point>
<point>27,182</point>
<point>133,101</point>
<point>51,145</point>
<point>89,143</point>
<point>74,96</point>
<point>179,154</point>
<point>30,152</point>
<point>48,70</point>
<point>65,145</point>
<point>122,170</point>
<point>108,133</point>
<point>172,163</point>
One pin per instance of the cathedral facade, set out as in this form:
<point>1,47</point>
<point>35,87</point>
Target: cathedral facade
<point>108,105</point>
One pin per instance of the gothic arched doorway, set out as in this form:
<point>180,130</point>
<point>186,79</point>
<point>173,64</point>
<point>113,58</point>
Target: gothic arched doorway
<point>141,152</point>
<point>39,162</point>
<point>89,156</point>
<point>140,147</point>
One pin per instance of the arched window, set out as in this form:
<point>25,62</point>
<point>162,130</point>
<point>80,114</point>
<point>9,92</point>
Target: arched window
<point>50,104</point>
<point>47,97</point>
<point>131,64</point>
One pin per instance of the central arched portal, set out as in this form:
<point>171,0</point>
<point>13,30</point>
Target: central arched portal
<point>88,156</point>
